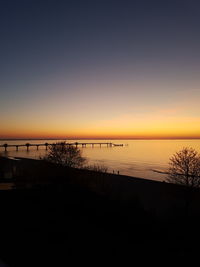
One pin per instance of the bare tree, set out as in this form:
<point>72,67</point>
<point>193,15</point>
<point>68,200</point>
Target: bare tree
<point>185,168</point>
<point>65,154</point>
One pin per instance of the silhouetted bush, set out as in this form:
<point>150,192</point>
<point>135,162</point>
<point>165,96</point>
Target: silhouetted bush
<point>65,154</point>
<point>97,168</point>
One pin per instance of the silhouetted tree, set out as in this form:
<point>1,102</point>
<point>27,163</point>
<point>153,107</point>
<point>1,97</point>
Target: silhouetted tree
<point>185,168</point>
<point>65,154</point>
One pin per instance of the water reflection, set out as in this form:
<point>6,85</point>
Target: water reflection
<point>137,158</point>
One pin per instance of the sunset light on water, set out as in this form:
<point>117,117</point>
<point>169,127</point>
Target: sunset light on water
<point>134,158</point>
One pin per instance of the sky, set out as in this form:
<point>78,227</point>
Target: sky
<point>99,69</point>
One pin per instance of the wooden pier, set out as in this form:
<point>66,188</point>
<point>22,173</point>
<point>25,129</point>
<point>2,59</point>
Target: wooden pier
<point>28,145</point>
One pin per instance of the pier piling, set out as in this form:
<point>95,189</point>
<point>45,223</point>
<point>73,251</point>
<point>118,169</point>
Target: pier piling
<point>46,144</point>
<point>27,146</point>
<point>5,147</point>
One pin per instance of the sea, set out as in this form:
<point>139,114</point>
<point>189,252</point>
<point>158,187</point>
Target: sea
<point>147,159</point>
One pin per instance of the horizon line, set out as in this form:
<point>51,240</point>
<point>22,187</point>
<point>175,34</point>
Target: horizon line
<point>105,138</point>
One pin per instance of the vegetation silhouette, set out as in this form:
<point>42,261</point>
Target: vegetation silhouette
<point>65,155</point>
<point>185,168</point>
<point>96,168</point>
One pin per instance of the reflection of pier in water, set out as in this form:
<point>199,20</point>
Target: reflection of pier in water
<point>28,145</point>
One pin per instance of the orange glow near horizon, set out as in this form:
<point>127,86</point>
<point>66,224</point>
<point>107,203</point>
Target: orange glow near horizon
<point>119,128</point>
<point>97,115</point>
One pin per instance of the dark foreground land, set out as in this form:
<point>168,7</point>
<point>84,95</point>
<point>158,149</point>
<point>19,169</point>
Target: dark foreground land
<point>57,216</point>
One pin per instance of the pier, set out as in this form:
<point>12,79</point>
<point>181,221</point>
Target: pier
<point>77,144</point>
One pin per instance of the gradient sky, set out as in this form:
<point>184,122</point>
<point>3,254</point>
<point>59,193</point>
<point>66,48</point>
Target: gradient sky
<point>113,69</point>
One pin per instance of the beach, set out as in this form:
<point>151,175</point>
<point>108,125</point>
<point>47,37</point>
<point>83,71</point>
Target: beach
<point>57,215</point>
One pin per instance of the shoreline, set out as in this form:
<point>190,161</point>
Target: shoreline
<point>85,169</point>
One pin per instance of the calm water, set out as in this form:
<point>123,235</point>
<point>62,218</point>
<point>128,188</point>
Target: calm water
<point>136,158</point>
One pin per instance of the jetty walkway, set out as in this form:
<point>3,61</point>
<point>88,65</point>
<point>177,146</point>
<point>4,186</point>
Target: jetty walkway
<point>28,145</point>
